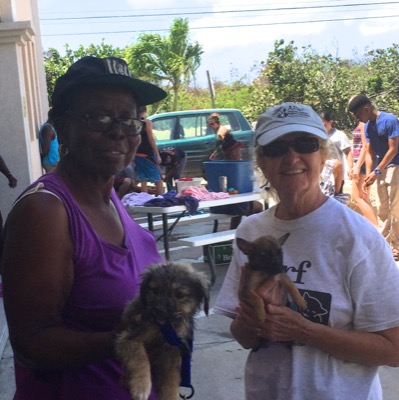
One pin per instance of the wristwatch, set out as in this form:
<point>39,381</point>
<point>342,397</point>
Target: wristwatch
<point>377,171</point>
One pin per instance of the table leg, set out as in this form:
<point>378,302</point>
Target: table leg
<point>150,222</point>
<point>215,225</point>
<point>165,235</point>
<point>170,229</point>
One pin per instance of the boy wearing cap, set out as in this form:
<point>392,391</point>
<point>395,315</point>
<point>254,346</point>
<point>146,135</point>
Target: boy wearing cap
<point>382,136</point>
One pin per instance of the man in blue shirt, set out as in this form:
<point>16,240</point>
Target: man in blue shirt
<point>382,137</point>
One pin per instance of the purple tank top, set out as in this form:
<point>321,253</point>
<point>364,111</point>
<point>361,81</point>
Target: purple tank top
<point>106,278</point>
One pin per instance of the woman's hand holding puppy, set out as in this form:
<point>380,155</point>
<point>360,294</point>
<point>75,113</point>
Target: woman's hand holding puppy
<point>281,324</point>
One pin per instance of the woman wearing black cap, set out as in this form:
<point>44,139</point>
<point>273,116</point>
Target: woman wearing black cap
<point>72,256</point>
<point>340,263</point>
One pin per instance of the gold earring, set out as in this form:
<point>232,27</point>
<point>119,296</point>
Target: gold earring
<point>63,150</point>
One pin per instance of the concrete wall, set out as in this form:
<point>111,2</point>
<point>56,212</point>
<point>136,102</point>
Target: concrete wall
<point>23,95</point>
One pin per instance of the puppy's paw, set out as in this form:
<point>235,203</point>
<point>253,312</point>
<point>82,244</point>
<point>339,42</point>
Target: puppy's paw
<point>260,313</point>
<point>302,305</point>
<point>140,391</point>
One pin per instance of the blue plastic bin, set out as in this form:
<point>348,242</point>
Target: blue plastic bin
<point>239,175</point>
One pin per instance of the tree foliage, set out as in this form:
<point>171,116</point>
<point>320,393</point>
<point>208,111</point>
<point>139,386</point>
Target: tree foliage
<point>169,60</point>
<point>324,82</point>
<point>288,73</point>
<point>382,78</point>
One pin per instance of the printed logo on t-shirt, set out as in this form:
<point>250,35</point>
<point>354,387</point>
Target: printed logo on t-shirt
<point>319,306</point>
<point>319,303</point>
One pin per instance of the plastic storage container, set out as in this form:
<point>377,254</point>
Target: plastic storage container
<point>239,175</point>
<point>183,183</point>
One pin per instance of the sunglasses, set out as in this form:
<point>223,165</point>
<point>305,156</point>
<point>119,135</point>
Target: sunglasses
<point>302,145</point>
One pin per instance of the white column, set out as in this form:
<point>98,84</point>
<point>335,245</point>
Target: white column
<point>23,95</point>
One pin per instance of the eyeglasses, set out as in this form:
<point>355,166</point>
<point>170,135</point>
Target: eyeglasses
<point>302,145</point>
<point>103,123</point>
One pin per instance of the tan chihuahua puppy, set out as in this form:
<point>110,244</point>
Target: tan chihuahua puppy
<point>265,258</point>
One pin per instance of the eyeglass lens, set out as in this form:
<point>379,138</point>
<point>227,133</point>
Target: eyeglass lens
<point>103,123</point>
<point>302,145</point>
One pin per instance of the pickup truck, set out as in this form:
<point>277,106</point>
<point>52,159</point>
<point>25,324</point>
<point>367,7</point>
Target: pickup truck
<point>189,131</point>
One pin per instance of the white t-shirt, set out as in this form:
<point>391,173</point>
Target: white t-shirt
<point>339,138</point>
<point>342,142</point>
<point>345,270</point>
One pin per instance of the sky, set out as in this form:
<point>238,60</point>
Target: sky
<point>235,37</point>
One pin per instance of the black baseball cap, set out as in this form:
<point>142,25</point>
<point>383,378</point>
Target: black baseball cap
<point>110,70</point>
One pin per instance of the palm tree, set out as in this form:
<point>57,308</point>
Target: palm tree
<point>171,58</point>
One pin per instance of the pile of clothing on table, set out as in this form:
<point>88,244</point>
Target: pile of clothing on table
<point>190,196</point>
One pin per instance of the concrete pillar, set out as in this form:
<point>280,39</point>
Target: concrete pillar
<point>23,95</point>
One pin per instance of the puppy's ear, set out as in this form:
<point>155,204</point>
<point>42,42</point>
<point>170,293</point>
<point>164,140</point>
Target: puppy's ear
<point>245,246</point>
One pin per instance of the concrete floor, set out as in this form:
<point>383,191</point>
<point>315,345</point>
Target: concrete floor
<point>218,361</point>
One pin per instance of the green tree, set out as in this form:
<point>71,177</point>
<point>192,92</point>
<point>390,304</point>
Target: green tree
<point>324,82</point>
<point>289,73</point>
<point>170,59</point>
<point>56,65</point>
<point>236,95</point>
<point>382,83</point>
<point>281,79</point>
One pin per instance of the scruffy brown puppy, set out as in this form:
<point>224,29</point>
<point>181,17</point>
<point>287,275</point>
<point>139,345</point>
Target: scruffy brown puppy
<point>157,329</point>
<point>265,258</point>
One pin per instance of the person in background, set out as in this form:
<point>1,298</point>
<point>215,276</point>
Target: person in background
<point>231,150</point>
<point>227,148</point>
<point>147,158</point>
<point>332,172</point>
<point>125,182</point>
<point>340,139</point>
<point>48,146</point>
<point>12,183</point>
<point>357,172</point>
<point>351,325</point>
<point>174,160</point>
<point>72,257</point>
<point>382,138</point>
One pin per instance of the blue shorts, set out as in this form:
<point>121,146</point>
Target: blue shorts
<point>146,170</point>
